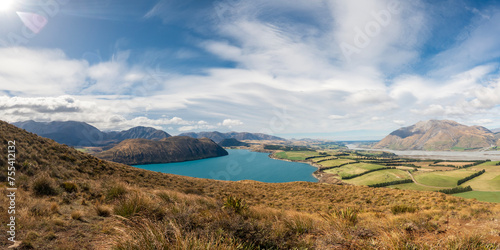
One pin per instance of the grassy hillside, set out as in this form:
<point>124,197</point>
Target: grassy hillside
<point>71,200</point>
<point>171,149</point>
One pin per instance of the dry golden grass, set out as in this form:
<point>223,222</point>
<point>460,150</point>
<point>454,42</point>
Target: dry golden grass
<point>149,210</point>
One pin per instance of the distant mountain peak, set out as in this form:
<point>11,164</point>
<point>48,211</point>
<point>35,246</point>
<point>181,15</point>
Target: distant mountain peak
<point>438,135</point>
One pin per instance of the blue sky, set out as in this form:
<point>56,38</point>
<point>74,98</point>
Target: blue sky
<point>327,68</point>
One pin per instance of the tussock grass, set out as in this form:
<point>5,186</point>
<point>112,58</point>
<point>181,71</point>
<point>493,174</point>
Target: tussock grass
<point>69,187</point>
<point>403,208</point>
<point>163,212</point>
<point>138,204</point>
<point>237,205</point>
<point>102,210</point>
<point>77,215</point>
<point>116,191</point>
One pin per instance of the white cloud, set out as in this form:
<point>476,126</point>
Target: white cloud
<point>280,62</point>
<point>231,123</point>
<point>39,72</point>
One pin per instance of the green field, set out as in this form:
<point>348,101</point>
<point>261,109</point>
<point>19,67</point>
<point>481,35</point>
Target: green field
<point>481,196</point>
<point>356,168</point>
<point>413,186</point>
<point>489,181</point>
<point>379,176</point>
<point>296,155</point>
<point>334,163</point>
<point>443,179</point>
<point>84,150</point>
<point>324,158</point>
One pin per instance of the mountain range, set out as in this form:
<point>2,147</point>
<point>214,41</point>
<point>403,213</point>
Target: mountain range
<point>81,134</point>
<point>231,142</point>
<point>436,135</point>
<point>218,136</point>
<point>166,150</point>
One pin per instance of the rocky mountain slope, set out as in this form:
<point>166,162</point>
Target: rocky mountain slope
<point>439,135</point>
<point>80,134</point>
<point>218,136</point>
<point>231,142</point>
<point>172,149</point>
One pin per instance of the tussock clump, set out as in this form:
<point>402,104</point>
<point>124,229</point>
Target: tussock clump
<point>116,191</point>
<point>69,187</point>
<point>237,205</point>
<point>77,215</point>
<point>103,211</point>
<point>44,186</point>
<point>398,209</point>
<point>300,224</point>
<point>138,204</point>
<point>40,208</point>
<point>348,215</point>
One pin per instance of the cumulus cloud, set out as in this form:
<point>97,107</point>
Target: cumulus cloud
<point>231,123</point>
<point>297,63</point>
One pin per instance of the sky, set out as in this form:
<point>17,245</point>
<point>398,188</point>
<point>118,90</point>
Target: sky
<point>333,69</point>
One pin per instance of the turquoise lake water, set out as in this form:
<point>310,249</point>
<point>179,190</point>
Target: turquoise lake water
<point>239,165</point>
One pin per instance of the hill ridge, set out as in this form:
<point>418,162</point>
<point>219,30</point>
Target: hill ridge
<point>218,136</point>
<point>75,133</point>
<point>439,135</point>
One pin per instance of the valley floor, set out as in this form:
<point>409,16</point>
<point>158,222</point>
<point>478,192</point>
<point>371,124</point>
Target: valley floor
<point>378,168</point>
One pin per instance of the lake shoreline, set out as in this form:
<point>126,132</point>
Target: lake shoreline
<point>319,175</point>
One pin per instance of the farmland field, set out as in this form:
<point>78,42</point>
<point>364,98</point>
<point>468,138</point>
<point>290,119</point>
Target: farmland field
<point>355,168</point>
<point>481,196</point>
<point>334,163</point>
<point>489,181</point>
<point>379,176</point>
<point>296,155</point>
<point>454,163</point>
<point>442,178</point>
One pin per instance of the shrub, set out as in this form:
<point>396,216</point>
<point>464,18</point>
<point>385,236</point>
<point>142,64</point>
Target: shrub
<point>238,205</point>
<point>44,185</point>
<point>398,209</point>
<point>69,187</point>
<point>390,183</point>
<point>455,190</point>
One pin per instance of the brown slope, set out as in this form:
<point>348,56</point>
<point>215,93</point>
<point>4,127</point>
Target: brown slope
<point>172,149</point>
<point>438,135</point>
<point>47,222</point>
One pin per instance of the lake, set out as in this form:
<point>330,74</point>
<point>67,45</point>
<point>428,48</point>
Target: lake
<point>239,165</point>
